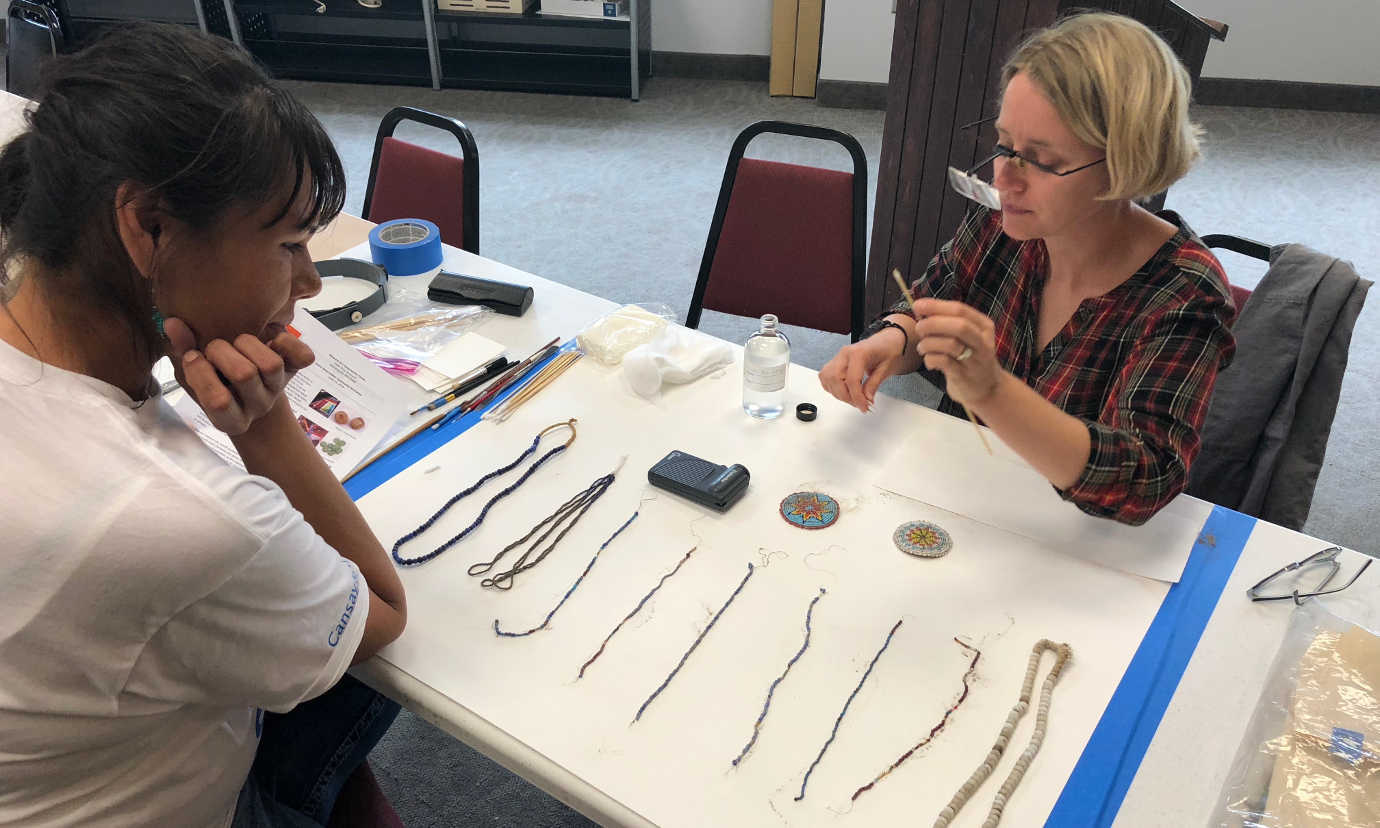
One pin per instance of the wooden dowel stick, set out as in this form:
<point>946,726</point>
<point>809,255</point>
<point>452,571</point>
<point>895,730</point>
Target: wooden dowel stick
<point>545,377</point>
<point>910,300</point>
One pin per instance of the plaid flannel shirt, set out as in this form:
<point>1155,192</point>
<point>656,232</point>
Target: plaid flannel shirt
<point>1136,364</point>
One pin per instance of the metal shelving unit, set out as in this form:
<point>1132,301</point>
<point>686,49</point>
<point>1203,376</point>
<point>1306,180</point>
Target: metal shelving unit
<point>411,42</point>
<point>83,18</point>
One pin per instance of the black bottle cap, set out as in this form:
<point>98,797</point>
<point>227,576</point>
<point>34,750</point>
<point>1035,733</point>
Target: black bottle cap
<point>806,412</point>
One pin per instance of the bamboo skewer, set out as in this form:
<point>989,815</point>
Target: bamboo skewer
<point>910,301</point>
<point>537,383</point>
<point>403,439</point>
<point>408,323</point>
<point>544,378</point>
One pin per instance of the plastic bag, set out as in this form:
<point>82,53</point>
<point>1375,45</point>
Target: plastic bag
<point>610,338</point>
<point>1311,754</point>
<point>417,337</point>
<point>410,328</point>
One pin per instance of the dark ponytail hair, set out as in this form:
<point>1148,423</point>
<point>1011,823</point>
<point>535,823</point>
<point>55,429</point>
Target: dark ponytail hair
<point>14,178</point>
<point>189,117</point>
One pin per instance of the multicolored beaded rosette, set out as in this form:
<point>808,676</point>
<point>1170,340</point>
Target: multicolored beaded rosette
<point>810,510</point>
<point>922,539</point>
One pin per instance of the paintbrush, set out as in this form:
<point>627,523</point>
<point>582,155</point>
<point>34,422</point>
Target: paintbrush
<point>408,436</point>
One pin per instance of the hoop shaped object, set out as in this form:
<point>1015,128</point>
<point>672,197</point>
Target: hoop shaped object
<point>922,539</point>
<point>810,510</point>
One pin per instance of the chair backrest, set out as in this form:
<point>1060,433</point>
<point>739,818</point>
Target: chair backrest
<point>788,239</point>
<point>33,34</point>
<point>1246,247</point>
<point>409,181</point>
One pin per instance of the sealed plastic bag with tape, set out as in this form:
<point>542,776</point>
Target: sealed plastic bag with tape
<point>1311,754</point>
<point>410,329</point>
<point>613,335</point>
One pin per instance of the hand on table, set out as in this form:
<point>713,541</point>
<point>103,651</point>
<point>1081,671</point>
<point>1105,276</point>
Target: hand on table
<point>234,383</point>
<point>961,342</point>
<point>857,370</point>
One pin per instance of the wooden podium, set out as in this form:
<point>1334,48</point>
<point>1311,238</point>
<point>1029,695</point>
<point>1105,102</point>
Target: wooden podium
<point>946,59</point>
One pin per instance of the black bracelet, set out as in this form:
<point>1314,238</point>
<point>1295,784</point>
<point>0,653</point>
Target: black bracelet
<point>883,324</point>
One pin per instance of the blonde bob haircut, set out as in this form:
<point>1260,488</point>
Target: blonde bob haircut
<point>1120,88</point>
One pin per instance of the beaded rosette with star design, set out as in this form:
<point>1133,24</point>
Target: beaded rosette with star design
<point>810,510</point>
<point>922,539</point>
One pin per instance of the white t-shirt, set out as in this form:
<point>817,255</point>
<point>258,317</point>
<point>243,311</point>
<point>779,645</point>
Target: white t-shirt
<point>152,601</point>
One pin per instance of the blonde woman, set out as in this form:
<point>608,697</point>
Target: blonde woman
<point>1086,331</point>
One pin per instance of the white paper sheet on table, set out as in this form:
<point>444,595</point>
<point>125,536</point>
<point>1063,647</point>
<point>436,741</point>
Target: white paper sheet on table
<point>340,385</point>
<point>1002,490</point>
<point>464,354</point>
<point>997,590</point>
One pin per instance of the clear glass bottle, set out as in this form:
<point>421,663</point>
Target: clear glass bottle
<point>766,361</point>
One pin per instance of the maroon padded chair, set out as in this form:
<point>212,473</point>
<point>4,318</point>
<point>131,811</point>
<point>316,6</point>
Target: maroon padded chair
<point>1239,295</point>
<point>361,803</point>
<point>410,181</point>
<point>788,239</point>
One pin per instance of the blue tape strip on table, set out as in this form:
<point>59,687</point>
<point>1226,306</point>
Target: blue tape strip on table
<point>1099,781</point>
<point>428,441</point>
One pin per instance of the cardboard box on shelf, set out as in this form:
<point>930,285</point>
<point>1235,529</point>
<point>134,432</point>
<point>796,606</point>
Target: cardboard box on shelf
<point>487,6</point>
<point>585,8</point>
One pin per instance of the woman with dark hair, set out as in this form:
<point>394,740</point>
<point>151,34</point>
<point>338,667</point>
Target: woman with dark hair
<point>156,600</point>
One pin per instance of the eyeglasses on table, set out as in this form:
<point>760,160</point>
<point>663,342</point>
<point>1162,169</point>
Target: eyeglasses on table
<point>1324,560</point>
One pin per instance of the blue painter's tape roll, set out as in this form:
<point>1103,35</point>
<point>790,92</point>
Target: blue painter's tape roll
<point>406,247</point>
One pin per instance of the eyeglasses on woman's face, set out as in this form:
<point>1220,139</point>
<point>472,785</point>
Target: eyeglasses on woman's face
<point>1023,163</point>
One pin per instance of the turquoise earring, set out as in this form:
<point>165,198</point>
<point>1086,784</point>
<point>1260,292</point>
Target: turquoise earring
<point>158,322</point>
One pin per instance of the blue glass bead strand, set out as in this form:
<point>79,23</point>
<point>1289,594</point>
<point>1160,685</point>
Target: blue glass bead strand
<point>397,555</point>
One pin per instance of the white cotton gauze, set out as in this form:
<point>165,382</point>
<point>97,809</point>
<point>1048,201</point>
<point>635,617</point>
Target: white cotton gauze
<point>679,355</point>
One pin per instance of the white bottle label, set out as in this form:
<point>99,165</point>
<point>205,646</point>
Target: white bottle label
<point>765,378</point>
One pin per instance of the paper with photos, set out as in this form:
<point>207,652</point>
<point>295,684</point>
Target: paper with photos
<point>342,402</point>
